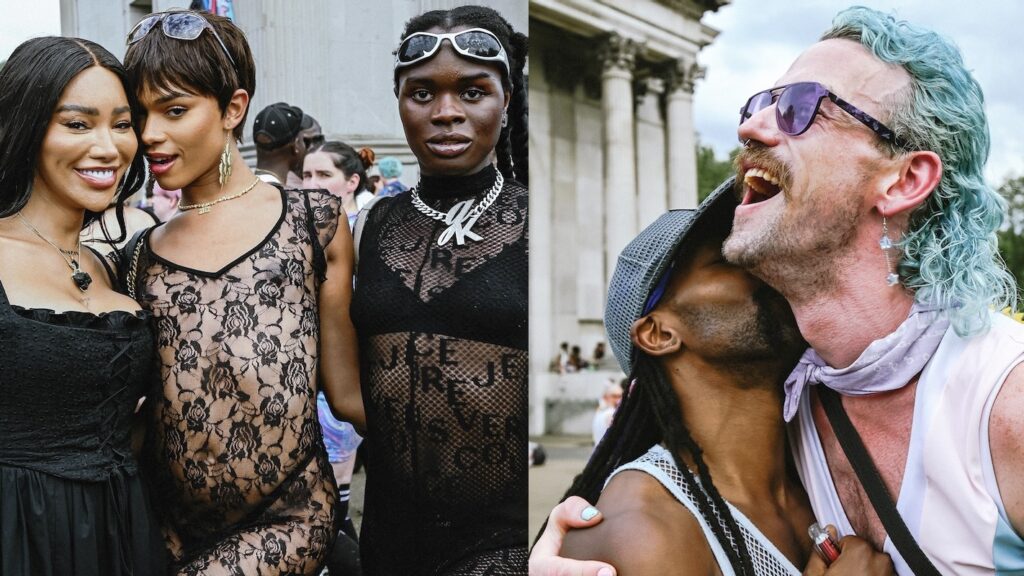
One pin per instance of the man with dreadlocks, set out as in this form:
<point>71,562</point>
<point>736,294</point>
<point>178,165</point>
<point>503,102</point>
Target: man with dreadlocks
<point>707,346</point>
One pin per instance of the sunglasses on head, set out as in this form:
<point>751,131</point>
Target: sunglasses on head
<point>796,106</point>
<point>177,24</point>
<point>475,43</point>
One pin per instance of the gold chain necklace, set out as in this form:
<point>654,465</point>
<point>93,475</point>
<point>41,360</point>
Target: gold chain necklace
<point>205,206</point>
<point>81,278</point>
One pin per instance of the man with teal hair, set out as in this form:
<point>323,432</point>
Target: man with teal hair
<point>862,201</point>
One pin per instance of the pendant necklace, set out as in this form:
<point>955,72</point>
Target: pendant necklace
<point>461,217</point>
<point>81,278</point>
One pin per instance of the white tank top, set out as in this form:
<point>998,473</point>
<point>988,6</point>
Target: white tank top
<point>948,499</point>
<point>767,559</point>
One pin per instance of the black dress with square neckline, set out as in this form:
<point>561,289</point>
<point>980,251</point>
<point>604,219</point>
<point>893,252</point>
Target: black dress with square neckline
<point>72,501</point>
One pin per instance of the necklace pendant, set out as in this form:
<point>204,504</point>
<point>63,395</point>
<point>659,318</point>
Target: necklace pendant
<point>204,209</point>
<point>460,224</point>
<point>82,280</point>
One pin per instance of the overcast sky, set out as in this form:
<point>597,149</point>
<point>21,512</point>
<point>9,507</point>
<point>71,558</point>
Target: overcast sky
<point>760,38</point>
<point>24,19</point>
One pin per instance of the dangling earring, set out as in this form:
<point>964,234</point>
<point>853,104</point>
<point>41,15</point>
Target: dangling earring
<point>504,119</point>
<point>225,163</point>
<point>885,242</point>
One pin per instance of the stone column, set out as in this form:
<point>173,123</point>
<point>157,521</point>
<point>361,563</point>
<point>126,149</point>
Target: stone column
<point>682,139</point>
<point>651,182</point>
<point>541,246</point>
<point>618,59</point>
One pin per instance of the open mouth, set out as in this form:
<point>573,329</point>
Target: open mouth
<point>759,185</point>
<point>160,163</point>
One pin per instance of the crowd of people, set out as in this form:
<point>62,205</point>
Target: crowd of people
<point>237,335</point>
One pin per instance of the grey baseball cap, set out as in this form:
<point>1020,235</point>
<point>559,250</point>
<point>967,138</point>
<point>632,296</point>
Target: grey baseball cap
<point>644,261</point>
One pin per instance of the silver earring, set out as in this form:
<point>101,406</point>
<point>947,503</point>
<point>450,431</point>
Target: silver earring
<point>504,119</point>
<point>885,243</point>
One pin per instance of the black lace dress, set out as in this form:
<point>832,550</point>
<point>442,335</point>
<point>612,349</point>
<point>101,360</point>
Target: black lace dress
<point>443,344</point>
<point>71,499</point>
<point>236,452</point>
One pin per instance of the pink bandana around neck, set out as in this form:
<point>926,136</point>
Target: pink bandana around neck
<point>887,364</point>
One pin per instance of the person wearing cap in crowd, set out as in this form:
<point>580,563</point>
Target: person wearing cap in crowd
<point>695,459</point>
<point>283,134</point>
<point>390,169</point>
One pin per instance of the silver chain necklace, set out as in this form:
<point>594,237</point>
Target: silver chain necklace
<point>81,278</point>
<point>461,217</point>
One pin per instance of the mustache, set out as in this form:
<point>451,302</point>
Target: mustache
<point>756,153</point>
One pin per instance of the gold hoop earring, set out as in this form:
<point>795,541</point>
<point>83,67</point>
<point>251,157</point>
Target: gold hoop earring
<point>225,163</point>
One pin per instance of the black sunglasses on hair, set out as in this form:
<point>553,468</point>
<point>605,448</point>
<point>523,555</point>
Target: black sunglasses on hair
<point>177,24</point>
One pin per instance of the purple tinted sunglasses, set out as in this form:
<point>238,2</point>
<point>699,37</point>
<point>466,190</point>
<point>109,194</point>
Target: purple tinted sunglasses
<point>797,105</point>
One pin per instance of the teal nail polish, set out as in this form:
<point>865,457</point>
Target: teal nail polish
<point>588,513</point>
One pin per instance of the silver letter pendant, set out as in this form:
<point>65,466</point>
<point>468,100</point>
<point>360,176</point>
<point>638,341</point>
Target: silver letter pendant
<point>460,224</point>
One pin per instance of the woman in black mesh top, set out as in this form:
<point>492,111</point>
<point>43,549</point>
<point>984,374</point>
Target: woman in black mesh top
<point>440,308</point>
<point>237,281</point>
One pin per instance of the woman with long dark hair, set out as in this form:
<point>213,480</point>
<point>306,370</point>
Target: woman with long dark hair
<point>441,310</point>
<point>77,356</point>
<point>249,283</point>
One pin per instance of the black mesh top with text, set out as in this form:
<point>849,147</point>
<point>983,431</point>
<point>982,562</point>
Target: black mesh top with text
<point>443,345</point>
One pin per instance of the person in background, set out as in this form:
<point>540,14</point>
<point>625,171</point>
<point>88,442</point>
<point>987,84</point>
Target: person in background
<point>576,362</point>
<point>282,134</point>
<point>390,171</point>
<point>610,399</point>
<point>599,358</point>
<point>342,441</point>
<point>341,170</point>
<point>376,184</point>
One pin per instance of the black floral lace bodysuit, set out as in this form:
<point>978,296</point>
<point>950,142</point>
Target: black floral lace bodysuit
<point>238,463</point>
<point>443,344</point>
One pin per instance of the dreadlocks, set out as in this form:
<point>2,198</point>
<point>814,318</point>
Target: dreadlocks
<point>649,414</point>
<point>513,144</point>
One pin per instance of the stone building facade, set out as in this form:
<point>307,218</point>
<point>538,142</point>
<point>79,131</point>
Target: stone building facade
<point>612,146</point>
<point>333,59</point>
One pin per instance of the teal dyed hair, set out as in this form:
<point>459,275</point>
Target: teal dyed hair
<point>950,251</point>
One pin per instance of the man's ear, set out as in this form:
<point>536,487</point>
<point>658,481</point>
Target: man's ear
<point>654,336</point>
<point>918,175</point>
<point>235,109</point>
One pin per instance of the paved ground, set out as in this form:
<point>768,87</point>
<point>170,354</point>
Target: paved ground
<point>566,457</point>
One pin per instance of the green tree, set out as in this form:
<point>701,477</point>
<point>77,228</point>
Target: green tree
<point>711,171</point>
<point>1011,236</point>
